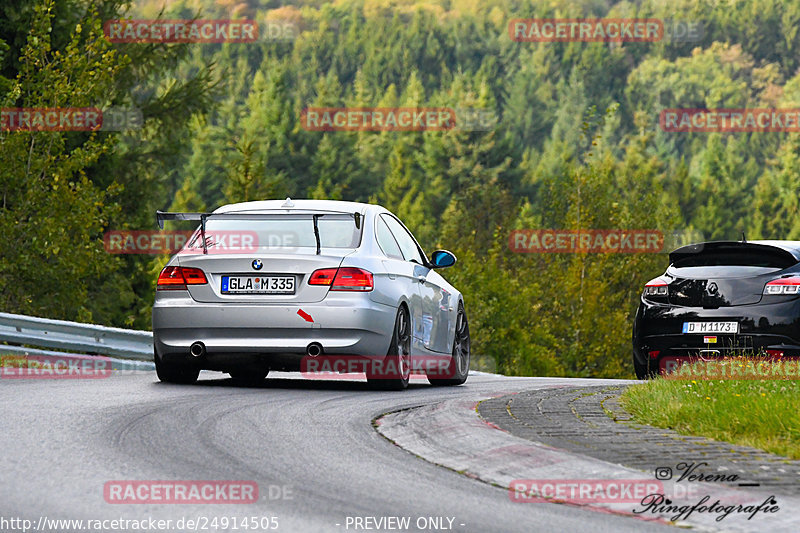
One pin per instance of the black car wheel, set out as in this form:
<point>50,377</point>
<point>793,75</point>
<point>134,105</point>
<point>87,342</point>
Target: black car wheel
<point>642,370</point>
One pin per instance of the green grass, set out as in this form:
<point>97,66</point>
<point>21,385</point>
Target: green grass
<point>762,413</point>
<point>18,361</point>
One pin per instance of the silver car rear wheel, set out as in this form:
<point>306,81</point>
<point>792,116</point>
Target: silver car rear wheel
<point>459,362</point>
<point>175,372</point>
<point>397,368</point>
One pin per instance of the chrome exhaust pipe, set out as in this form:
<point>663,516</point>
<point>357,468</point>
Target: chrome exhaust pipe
<point>197,349</point>
<point>314,349</point>
<point>708,353</point>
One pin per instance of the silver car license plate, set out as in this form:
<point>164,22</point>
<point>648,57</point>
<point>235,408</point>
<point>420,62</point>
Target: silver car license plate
<point>257,285</point>
<point>710,327</point>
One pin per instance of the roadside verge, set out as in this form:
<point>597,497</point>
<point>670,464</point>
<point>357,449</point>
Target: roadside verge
<point>454,435</point>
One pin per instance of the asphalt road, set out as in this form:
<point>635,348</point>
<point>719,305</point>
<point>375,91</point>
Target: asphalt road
<point>309,445</point>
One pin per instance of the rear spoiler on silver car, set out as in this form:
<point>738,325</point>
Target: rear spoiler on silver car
<point>161,216</point>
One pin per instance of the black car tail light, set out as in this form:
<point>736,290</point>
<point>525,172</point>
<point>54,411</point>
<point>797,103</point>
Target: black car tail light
<point>656,289</point>
<point>783,286</point>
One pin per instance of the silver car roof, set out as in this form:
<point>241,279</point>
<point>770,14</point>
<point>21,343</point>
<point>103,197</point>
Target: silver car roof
<point>333,206</point>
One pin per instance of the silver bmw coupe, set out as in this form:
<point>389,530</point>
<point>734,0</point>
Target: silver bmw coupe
<point>274,285</point>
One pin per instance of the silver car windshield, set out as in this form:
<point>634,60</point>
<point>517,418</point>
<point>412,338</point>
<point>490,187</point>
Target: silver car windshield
<point>294,231</point>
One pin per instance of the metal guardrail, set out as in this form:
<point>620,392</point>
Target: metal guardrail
<point>74,337</point>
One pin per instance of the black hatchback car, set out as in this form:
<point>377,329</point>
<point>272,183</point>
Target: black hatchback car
<point>720,298</point>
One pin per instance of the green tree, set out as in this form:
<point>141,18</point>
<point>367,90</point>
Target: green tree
<point>52,215</point>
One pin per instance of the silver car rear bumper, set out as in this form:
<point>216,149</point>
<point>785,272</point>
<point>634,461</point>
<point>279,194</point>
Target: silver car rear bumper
<point>350,323</point>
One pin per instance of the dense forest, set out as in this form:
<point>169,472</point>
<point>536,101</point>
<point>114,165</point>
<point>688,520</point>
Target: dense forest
<point>575,144</point>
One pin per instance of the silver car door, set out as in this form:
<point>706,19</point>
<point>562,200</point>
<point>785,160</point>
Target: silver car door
<point>424,318</point>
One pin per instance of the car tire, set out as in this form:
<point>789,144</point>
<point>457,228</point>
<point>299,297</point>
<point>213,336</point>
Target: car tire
<point>459,362</point>
<point>248,376</point>
<point>642,371</point>
<point>397,357</point>
<point>172,372</point>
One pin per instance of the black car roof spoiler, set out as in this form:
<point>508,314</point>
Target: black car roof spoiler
<point>789,250</point>
<point>161,216</point>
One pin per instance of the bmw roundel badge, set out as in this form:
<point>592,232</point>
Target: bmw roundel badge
<point>256,264</point>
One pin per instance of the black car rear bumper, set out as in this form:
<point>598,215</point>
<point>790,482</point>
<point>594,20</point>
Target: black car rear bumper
<point>764,326</point>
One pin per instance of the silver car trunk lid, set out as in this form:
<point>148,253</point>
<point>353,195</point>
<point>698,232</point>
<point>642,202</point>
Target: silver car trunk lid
<point>298,265</point>
<point>245,248</point>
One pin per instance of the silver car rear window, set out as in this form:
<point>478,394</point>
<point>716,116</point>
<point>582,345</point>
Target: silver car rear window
<point>335,231</point>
